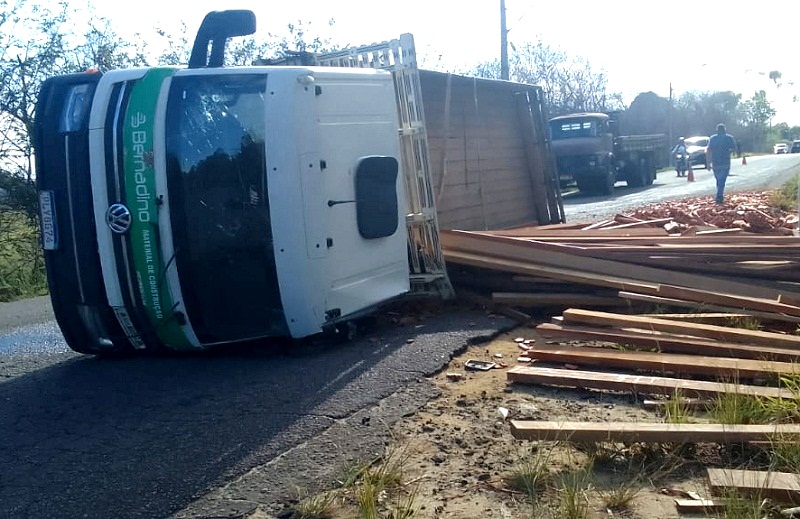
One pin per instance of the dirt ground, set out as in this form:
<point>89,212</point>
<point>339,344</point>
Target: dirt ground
<point>461,454</point>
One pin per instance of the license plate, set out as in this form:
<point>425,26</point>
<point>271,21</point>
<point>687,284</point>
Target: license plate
<point>47,210</point>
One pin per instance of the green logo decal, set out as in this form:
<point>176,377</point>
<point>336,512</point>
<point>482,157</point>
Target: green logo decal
<point>140,196</point>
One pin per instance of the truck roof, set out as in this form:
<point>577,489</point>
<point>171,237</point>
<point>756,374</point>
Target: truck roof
<point>580,114</point>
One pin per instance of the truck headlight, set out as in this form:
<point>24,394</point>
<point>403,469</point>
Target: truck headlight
<point>76,108</point>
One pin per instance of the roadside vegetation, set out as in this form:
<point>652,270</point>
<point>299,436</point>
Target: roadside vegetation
<point>21,263</point>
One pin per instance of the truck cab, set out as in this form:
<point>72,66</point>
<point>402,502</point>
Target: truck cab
<point>590,151</point>
<point>184,208</point>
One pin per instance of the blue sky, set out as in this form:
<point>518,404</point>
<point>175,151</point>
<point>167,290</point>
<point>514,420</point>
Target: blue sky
<point>641,45</point>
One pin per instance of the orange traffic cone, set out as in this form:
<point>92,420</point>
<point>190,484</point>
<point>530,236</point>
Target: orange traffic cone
<point>744,160</point>
<point>689,172</point>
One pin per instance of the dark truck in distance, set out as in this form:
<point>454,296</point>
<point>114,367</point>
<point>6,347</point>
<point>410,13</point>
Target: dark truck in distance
<point>589,150</point>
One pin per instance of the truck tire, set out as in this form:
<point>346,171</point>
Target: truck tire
<point>605,185</point>
<point>651,170</point>
<point>642,174</point>
<point>637,174</point>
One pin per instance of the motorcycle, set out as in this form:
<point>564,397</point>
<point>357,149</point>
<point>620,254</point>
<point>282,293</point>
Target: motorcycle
<point>681,163</point>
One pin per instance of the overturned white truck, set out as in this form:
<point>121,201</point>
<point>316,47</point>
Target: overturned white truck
<point>189,207</point>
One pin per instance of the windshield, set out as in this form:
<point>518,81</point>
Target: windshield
<point>571,128</point>
<point>219,206</point>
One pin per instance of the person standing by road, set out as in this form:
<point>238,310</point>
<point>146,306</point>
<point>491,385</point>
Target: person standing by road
<point>718,157</point>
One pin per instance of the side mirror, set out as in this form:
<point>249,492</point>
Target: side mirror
<point>216,29</point>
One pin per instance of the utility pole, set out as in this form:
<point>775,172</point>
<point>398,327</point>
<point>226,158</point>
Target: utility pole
<point>503,42</point>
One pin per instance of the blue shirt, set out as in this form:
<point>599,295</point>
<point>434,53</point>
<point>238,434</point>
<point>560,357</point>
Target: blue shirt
<point>721,145</point>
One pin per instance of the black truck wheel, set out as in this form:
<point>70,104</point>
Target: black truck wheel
<point>641,174</point>
<point>605,185</point>
<point>651,171</point>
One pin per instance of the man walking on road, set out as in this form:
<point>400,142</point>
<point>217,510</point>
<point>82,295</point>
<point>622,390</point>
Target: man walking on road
<point>718,157</point>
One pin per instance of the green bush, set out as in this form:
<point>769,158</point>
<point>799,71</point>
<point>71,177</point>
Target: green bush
<point>22,271</point>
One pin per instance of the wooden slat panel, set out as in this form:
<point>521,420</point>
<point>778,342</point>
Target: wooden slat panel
<point>636,383</point>
<point>648,432</point>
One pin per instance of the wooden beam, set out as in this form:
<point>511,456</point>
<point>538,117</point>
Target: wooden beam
<point>727,368</point>
<point>700,505</point>
<point>701,317</point>
<point>540,299</point>
<point>723,333</point>
<point>717,298</point>
<point>637,383</point>
<point>624,432</point>
<point>565,274</point>
<point>658,300</point>
<point>668,343</point>
<point>780,486</point>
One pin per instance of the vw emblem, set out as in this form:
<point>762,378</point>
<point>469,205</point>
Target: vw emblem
<point>118,218</point>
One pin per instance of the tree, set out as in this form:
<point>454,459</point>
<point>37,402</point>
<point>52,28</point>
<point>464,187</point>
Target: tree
<point>757,113</point>
<point>648,114</point>
<point>569,84</point>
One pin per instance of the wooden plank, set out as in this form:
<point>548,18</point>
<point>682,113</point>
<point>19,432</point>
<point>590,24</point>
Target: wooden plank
<point>637,383</point>
<point>779,486</point>
<point>687,403</point>
<point>727,368</point>
<point>549,254</point>
<point>520,317</point>
<point>700,505</point>
<point>701,317</point>
<point>647,298</point>
<point>668,343</point>
<point>579,316</point>
<point>752,303</point>
<point>624,432</point>
<point>542,299</point>
<point>565,274</point>
<point>653,234</point>
<point>658,222</point>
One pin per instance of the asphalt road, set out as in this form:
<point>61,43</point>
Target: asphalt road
<point>761,172</point>
<point>214,435</point>
<point>206,435</point>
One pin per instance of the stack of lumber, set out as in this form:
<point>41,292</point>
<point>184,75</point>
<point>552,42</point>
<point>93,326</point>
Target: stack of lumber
<point>563,266</point>
<point>694,359</point>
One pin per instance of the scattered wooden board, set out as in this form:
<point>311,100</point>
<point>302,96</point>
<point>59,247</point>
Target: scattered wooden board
<point>752,303</point>
<point>700,505</point>
<point>637,383</point>
<point>579,316</point>
<point>671,301</point>
<point>545,299</point>
<point>623,432</point>
<point>668,343</point>
<point>727,368</point>
<point>779,486</point>
<point>700,317</point>
<point>527,252</point>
